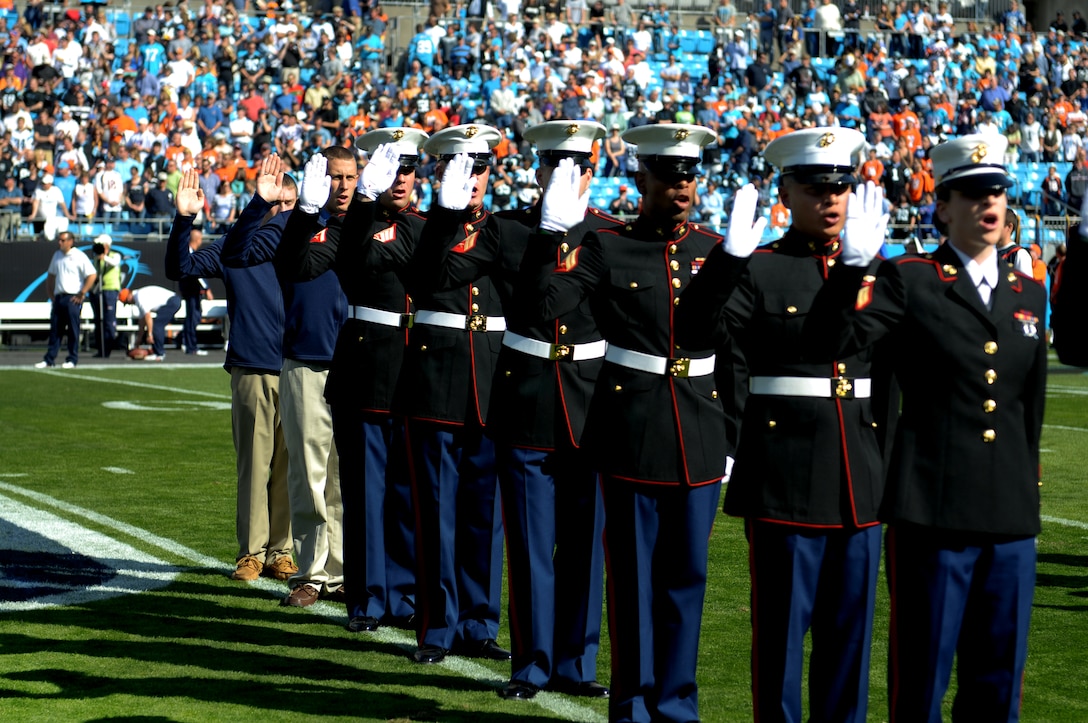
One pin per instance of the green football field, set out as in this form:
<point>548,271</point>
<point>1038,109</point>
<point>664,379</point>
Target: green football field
<point>117,503</point>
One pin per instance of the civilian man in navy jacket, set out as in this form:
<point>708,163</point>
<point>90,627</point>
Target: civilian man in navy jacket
<point>254,358</point>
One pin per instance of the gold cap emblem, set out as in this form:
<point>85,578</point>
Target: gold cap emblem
<point>398,134</point>
<point>826,140</point>
<point>572,129</point>
<point>681,134</point>
<point>979,153</point>
<point>471,131</point>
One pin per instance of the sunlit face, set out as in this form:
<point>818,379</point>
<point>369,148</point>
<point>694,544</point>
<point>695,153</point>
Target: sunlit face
<point>975,219</point>
<point>399,195</point>
<point>816,209</point>
<point>344,174</point>
<point>666,197</point>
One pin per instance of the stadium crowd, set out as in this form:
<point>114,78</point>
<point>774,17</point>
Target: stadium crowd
<point>113,109</point>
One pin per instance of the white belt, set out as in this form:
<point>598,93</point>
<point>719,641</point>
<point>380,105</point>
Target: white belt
<point>380,316</point>
<point>472,322</point>
<point>839,387</point>
<point>554,352</point>
<point>674,367</point>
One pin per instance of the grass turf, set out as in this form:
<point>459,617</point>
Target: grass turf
<point>206,648</point>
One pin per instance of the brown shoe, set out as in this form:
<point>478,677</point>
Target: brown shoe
<point>301,596</point>
<point>281,568</point>
<point>337,596</point>
<point>248,569</point>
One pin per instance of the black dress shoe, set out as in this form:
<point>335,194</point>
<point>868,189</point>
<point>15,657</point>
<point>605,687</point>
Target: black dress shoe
<point>486,649</point>
<point>363,624</point>
<point>429,654</point>
<point>585,689</point>
<point>518,690</point>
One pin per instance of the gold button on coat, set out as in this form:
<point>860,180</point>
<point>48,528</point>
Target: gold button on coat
<point>475,290</point>
<point>674,265</point>
<point>672,248</point>
<point>676,283</point>
<point>619,387</point>
<point>633,284</point>
<point>791,309</point>
<point>989,406</point>
<point>564,247</point>
<point>772,424</point>
<point>563,329</point>
<point>990,347</point>
<point>991,376</point>
<point>989,435</point>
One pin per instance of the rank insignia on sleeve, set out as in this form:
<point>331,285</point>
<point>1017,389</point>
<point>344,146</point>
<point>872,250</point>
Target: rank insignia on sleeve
<point>696,265</point>
<point>865,294</point>
<point>319,237</point>
<point>467,244</point>
<point>570,262</point>
<point>386,235</point>
<point>1029,323</point>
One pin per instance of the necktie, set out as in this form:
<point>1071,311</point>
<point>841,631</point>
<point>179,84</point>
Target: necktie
<point>986,293</point>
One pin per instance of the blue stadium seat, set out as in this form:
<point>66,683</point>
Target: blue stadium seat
<point>705,42</point>
<point>122,23</point>
<point>688,41</point>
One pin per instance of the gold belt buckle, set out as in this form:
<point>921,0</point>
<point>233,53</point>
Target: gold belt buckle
<point>679,367</point>
<point>476,322</point>
<point>561,352</point>
<point>407,321</point>
<point>843,388</point>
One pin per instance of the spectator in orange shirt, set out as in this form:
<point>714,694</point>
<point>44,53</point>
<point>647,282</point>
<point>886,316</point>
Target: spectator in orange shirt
<point>780,215</point>
<point>872,169</point>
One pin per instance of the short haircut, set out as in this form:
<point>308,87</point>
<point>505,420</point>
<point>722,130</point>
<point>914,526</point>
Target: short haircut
<point>338,153</point>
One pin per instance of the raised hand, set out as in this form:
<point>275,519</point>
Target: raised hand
<point>456,189</point>
<point>745,230</point>
<point>189,200</point>
<point>563,206</point>
<point>316,185</point>
<point>270,178</point>
<point>380,171</point>
<point>866,225</point>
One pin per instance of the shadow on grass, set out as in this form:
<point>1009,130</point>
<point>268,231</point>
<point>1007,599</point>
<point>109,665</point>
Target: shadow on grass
<point>380,705</point>
<point>235,644</point>
<point>1057,558</point>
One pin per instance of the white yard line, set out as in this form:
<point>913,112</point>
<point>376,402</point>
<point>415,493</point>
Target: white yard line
<point>27,517</point>
<point>1066,523</point>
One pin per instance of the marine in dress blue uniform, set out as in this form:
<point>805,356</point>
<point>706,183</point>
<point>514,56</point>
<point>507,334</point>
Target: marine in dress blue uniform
<point>444,391</point>
<point>369,261</point>
<point>656,426</point>
<point>808,477</point>
<point>962,506</point>
<point>546,372</point>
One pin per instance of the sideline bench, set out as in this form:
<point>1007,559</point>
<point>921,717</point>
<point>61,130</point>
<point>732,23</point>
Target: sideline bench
<point>33,316</point>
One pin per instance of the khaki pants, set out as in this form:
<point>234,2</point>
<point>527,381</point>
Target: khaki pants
<point>313,477</point>
<point>263,521</point>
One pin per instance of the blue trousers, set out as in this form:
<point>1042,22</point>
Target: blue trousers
<point>656,540</point>
<point>379,543</point>
<point>104,307</point>
<point>554,519</point>
<point>957,596</point>
<point>64,316</point>
<point>193,311</point>
<point>818,579</point>
<point>458,533</point>
<point>163,315</point>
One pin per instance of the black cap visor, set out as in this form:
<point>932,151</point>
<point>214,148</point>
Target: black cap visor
<point>979,183</point>
<point>670,167</point>
<point>821,175</point>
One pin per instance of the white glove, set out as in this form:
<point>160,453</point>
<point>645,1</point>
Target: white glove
<point>380,171</point>
<point>562,206</point>
<point>743,235</point>
<point>866,225</point>
<point>316,185</point>
<point>456,189</point>
<point>1084,217</point>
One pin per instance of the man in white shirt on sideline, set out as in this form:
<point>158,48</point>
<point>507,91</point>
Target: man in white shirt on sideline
<point>157,307</point>
<point>71,275</point>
